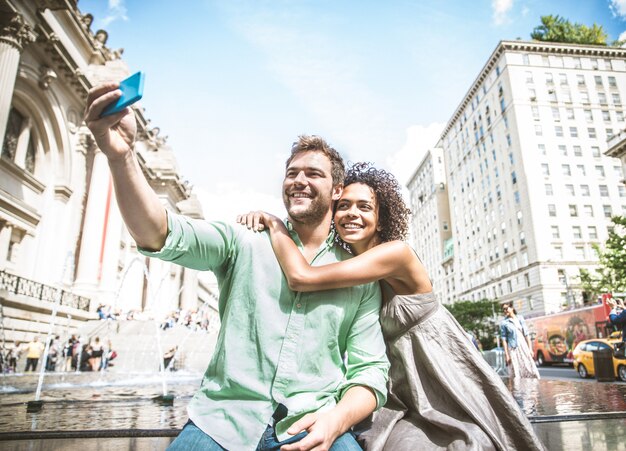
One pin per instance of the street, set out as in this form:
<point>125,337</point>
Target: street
<point>565,373</point>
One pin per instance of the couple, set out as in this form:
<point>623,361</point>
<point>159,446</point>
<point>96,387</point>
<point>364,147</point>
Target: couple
<point>297,370</point>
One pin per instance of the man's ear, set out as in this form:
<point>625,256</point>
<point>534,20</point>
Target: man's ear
<point>337,190</point>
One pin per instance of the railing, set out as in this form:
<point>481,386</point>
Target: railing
<point>30,288</point>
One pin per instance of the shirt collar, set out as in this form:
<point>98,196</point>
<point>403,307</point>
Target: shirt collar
<point>330,239</point>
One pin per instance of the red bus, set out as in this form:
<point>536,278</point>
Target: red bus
<point>555,336</point>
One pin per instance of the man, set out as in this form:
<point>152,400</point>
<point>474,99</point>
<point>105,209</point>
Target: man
<point>617,315</point>
<point>278,378</point>
<point>34,349</point>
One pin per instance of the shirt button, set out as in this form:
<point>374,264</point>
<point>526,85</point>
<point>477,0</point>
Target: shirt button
<point>298,305</point>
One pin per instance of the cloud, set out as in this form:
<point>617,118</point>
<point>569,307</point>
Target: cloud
<point>500,10</point>
<point>419,139</point>
<point>117,11</point>
<point>618,8</point>
<point>622,37</point>
<point>229,200</point>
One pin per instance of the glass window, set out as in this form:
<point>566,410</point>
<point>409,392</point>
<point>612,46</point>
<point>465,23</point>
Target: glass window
<point>604,191</point>
<point>541,148</point>
<point>606,116</point>
<point>612,82</point>
<point>579,252</point>
<point>573,210</point>
<point>600,171</point>
<point>592,132</point>
<point>588,115</point>
<point>552,210</point>
<point>545,169</point>
<point>595,151</point>
<point>549,78</point>
<point>578,152</point>
<point>607,210</point>
<point>588,209</point>
<point>565,169</point>
<point>563,150</point>
<point>573,132</point>
<point>538,130</point>
<point>576,232</point>
<point>548,187</point>
<point>558,130</point>
<point>555,232</point>
<point>598,80</point>
<point>616,99</point>
<point>555,114</point>
<point>592,232</point>
<point>580,79</point>
<point>602,98</point>
<point>584,190</point>
<point>570,113</point>
<point>535,111</point>
<point>570,189</point>
<point>581,169</point>
<point>619,115</point>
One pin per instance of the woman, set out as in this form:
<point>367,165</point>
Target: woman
<point>516,343</point>
<point>442,393</point>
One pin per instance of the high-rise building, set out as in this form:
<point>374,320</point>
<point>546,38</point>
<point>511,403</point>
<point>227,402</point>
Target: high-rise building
<point>430,225</point>
<point>530,189</point>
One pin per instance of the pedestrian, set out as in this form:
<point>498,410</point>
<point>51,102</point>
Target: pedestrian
<point>617,317</point>
<point>14,356</point>
<point>96,354</point>
<point>34,349</point>
<point>518,352</point>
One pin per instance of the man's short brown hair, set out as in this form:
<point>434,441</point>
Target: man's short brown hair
<point>313,143</point>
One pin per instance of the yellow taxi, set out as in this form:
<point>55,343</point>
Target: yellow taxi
<point>583,357</point>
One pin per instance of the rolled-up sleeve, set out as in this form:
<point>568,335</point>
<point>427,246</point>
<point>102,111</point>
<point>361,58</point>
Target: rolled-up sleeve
<point>367,363</point>
<point>195,243</point>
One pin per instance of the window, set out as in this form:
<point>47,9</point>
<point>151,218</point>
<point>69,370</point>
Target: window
<point>606,116</point>
<point>584,97</point>
<point>545,169</point>
<point>592,132</point>
<point>573,132</point>
<point>552,210</point>
<point>549,78</point>
<point>594,63</point>
<point>535,111</point>
<point>592,231</point>
<point>576,233</point>
<point>555,114</point>
<point>563,150</point>
<point>604,191</point>
<point>563,79</point>
<point>622,190</point>
<point>584,190</point>
<point>513,178</point>
<point>532,94</point>
<point>579,252</point>
<point>538,130</point>
<point>555,232</point>
<point>578,151</point>
<point>573,210</point>
<point>519,217</point>
<point>612,82</point>
<point>552,95</point>
<point>558,252</point>
<point>602,98</point>
<point>20,141</point>
<point>588,209</point>
<point>619,115</point>
<point>616,99</point>
<point>608,212</point>
<point>580,79</point>
<point>529,77</point>
<point>609,133</point>
<point>577,64</point>
<point>618,172</point>
<point>548,187</point>
<point>595,151</point>
<point>570,190</point>
<point>570,113</point>
<point>600,171</point>
<point>581,169</point>
<point>541,148</point>
<point>566,96</point>
<point>565,169</point>
<point>558,130</point>
<point>516,196</point>
<point>525,59</point>
<point>588,115</point>
<point>598,80</point>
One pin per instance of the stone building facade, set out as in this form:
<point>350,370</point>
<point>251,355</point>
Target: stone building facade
<point>62,239</point>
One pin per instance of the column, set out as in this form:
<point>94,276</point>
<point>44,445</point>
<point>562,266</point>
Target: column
<point>14,35</point>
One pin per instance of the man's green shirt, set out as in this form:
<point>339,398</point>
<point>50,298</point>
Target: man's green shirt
<point>275,346</point>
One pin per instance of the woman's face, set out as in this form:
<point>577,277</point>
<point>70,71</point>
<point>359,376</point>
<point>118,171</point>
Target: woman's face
<point>356,217</point>
<point>507,310</point>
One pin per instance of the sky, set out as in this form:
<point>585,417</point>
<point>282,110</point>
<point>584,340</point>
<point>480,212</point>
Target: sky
<point>233,83</point>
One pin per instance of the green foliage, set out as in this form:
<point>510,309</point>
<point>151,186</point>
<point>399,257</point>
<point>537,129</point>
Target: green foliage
<point>611,273</point>
<point>559,29</point>
<point>477,317</point>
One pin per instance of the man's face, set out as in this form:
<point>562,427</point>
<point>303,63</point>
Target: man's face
<point>308,189</point>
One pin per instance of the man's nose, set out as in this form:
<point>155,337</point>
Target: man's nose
<point>301,178</point>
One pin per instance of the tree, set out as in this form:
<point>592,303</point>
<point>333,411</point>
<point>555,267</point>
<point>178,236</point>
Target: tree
<point>611,273</point>
<point>559,29</point>
<point>477,317</point>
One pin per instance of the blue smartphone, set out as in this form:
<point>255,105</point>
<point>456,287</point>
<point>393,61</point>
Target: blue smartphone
<point>132,90</point>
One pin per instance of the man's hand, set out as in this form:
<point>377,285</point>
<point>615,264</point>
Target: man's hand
<point>114,134</point>
<point>323,429</point>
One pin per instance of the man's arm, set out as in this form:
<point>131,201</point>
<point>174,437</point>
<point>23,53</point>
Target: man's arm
<point>325,427</point>
<point>141,209</point>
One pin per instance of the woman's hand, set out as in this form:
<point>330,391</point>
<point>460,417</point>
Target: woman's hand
<point>258,221</point>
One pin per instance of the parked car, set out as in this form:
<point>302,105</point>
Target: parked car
<point>583,357</point>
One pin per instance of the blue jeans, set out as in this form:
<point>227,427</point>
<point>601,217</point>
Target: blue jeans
<point>191,438</point>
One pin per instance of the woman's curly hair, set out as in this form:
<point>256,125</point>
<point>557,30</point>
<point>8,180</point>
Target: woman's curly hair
<point>393,214</point>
